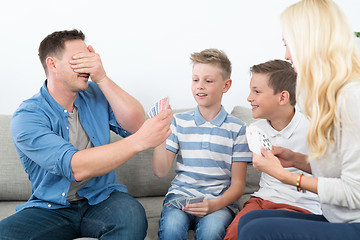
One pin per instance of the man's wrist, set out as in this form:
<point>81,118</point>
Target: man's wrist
<point>102,80</point>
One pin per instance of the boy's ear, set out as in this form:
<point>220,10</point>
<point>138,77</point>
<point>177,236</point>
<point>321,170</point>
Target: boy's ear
<point>284,97</point>
<point>227,85</point>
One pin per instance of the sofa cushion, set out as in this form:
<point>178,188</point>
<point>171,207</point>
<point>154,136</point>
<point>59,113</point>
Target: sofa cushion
<point>14,183</point>
<point>252,175</point>
<point>137,175</point>
<point>243,113</point>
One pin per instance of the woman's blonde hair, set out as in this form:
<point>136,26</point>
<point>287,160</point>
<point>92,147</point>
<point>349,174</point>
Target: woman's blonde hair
<point>325,55</point>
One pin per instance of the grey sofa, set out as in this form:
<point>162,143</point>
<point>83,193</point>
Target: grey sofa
<point>136,174</point>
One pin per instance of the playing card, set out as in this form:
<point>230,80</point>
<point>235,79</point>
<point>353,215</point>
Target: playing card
<point>158,107</point>
<point>163,104</point>
<point>182,201</point>
<point>171,203</point>
<point>174,203</point>
<point>195,199</point>
<point>150,114</point>
<point>257,139</point>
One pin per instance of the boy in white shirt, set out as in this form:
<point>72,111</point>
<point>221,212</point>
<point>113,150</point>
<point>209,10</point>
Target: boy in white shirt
<point>272,98</point>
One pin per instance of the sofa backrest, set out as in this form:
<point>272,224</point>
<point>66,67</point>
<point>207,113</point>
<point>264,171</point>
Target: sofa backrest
<point>138,176</point>
<point>136,173</point>
<point>14,182</point>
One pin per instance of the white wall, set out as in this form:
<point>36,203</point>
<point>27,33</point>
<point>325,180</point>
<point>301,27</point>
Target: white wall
<point>145,44</point>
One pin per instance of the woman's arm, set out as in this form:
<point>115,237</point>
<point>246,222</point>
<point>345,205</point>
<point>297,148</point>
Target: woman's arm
<point>271,165</point>
<point>289,158</point>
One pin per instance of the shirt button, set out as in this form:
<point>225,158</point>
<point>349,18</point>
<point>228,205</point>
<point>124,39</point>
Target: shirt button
<point>278,135</point>
<point>63,194</point>
<point>67,127</point>
<point>65,111</point>
<point>49,205</point>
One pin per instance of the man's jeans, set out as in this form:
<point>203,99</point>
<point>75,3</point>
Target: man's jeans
<point>118,217</point>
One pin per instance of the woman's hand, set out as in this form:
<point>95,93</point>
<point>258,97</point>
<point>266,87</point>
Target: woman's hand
<point>289,158</point>
<point>284,155</point>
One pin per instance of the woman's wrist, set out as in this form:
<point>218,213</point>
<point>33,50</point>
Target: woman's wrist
<point>287,177</point>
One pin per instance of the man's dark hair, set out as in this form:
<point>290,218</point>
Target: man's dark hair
<point>281,76</point>
<point>54,44</point>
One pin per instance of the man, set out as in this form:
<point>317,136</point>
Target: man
<point>62,136</point>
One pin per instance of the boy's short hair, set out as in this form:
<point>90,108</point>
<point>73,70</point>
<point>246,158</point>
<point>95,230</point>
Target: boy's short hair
<point>54,43</point>
<point>215,57</point>
<point>281,76</point>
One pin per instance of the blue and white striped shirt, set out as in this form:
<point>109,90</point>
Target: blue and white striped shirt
<point>205,152</point>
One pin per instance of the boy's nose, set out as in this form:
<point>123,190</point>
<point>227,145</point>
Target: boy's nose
<point>200,86</point>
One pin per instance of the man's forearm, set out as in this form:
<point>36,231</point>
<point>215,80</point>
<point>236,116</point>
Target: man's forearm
<point>100,160</point>
<point>97,161</point>
<point>129,113</point>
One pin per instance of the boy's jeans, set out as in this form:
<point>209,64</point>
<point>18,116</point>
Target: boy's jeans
<point>174,223</point>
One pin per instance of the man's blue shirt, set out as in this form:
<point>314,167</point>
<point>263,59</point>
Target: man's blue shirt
<point>40,131</point>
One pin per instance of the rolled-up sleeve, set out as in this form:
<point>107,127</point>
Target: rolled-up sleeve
<point>35,139</point>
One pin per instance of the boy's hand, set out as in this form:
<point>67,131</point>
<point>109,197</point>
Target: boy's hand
<point>200,209</point>
<point>89,63</point>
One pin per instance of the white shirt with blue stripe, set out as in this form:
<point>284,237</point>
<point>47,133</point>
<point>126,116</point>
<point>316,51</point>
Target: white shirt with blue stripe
<point>205,152</point>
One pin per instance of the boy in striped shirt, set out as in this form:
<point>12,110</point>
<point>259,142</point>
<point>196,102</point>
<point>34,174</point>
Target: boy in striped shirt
<point>211,153</point>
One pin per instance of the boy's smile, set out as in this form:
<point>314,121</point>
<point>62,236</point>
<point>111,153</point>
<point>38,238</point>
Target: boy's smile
<point>201,95</point>
<point>262,98</point>
<point>253,107</point>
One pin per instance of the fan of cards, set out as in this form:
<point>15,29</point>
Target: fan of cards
<point>256,139</point>
<point>183,200</point>
<point>160,105</point>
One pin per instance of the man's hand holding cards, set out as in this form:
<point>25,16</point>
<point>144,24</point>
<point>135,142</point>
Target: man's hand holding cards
<point>160,105</point>
<point>256,139</point>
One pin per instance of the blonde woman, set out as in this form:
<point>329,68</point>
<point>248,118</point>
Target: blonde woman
<point>321,46</point>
